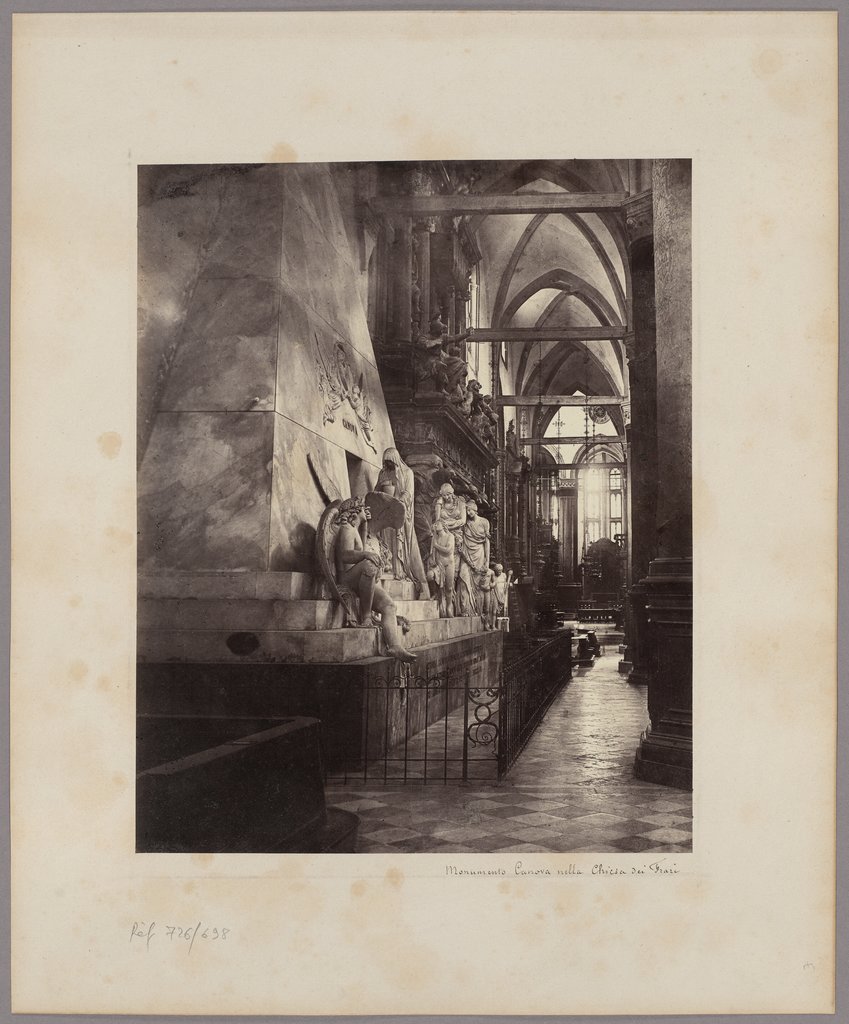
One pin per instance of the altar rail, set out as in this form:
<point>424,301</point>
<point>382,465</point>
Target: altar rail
<point>448,727</point>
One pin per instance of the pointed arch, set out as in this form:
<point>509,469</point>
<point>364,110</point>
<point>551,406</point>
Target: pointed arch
<point>565,280</point>
<point>524,172</point>
<point>613,221</point>
<point>605,261</point>
<point>510,269</point>
<point>615,451</point>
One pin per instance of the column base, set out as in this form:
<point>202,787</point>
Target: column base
<point>665,754</point>
<point>625,667</point>
<point>638,677</point>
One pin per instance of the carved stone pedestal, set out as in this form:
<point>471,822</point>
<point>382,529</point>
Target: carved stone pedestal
<point>664,602</point>
<point>224,647</point>
<point>362,713</point>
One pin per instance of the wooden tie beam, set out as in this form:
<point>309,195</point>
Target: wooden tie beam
<point>577,439</point>
<point>526,335</point>
<point>582,465</point>
<point>489,203</point>
<point>579,400</point>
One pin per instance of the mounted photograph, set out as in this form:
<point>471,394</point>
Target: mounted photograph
<point>414,508</point>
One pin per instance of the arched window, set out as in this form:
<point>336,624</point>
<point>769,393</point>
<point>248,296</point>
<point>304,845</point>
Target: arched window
<point>602,500</point>
<point>615,501</point>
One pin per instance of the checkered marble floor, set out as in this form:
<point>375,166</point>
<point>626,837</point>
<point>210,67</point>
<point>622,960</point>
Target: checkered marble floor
<point>572,789</point>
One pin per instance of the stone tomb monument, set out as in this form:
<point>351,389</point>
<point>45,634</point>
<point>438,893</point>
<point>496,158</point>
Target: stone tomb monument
<point>237,467</point>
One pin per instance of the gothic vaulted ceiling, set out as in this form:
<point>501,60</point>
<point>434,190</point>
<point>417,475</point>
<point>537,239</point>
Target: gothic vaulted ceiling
<point>556,270</point>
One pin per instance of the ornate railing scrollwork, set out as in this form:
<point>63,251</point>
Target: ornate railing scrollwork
<point>454,722</point>
<point>483,730</point>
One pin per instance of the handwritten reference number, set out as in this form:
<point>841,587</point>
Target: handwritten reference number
<point>147,931</point>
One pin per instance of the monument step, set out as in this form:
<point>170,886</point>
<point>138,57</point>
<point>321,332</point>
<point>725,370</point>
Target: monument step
<point>282,586</point>
<point>400,590</point>
<point>293,646</point>
<point>252,613</point>
<point>436,631</point>
<point>217,646</point>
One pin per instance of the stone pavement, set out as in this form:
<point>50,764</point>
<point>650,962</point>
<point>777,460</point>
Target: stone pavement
<point>571,790</point>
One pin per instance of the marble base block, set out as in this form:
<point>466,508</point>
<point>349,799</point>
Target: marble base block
<point>234,645</point>
<point>255,614</point>
<point>359,715</point>
<point>665,754</point>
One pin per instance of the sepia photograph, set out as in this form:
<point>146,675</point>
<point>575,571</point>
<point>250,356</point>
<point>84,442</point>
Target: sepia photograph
<point>409,464</point>
<point>414,507</point>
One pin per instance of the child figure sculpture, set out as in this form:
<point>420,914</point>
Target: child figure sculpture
<point>444,568</point>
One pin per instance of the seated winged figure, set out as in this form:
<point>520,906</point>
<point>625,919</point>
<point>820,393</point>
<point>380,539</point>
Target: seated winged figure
<point>351,561</point>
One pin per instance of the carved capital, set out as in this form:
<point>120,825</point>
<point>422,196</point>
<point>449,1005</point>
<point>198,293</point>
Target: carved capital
<point>469,245</point>
<point>639,218</point>
<point>426,225</point>
<point>639,351</point>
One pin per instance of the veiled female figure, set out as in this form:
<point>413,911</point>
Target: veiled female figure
<point>396,478</point>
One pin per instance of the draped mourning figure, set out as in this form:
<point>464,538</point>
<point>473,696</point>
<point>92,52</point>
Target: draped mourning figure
<point>473,580</point>
<point>397,480</point>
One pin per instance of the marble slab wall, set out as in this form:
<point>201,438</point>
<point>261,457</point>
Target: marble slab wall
<point>204,491</point>
<point>177,209</point>
<point>255,364</point>
<point>296,501</point>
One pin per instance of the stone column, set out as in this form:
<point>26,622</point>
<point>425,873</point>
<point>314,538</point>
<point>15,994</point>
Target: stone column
<point>501,501</point>
<point>422,238</point>
<point>665,754</point>
<point>672,259</point>
<point>641,432</point>
<point>513,529</point>
<point>523,516</point>
<point>567,500</point>
<point>569,589</point>
<point>449,312</point>
<point>461,298</point>
<point>402,252</point>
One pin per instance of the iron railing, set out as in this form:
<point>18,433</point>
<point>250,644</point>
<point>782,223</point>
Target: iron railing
<point>529,684</point>
<point>446,727</point>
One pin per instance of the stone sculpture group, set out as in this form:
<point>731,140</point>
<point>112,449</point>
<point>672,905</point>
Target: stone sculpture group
<point>362,540</point>
<point>459,559</point>
<point>441,367</point>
